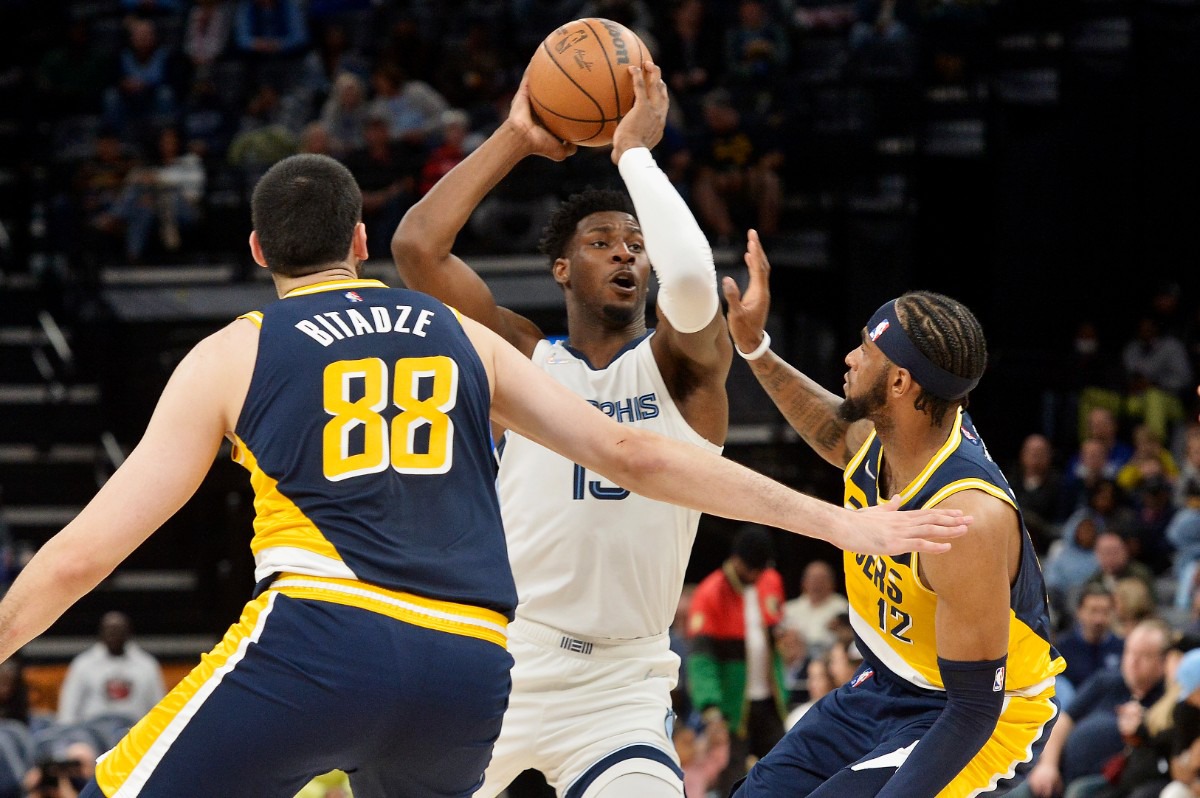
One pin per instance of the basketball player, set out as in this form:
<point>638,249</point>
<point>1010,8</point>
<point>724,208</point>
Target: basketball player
<point>955,694</point>
<point>376,642</point>
<point>598,569</point>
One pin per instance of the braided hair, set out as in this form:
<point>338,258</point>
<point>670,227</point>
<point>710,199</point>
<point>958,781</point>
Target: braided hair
<point>949,335</point>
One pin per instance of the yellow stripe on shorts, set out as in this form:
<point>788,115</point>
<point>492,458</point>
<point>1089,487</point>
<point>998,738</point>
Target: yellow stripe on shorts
<point>442,616</point>
<point>124,771</point>
<point>1021,724</point>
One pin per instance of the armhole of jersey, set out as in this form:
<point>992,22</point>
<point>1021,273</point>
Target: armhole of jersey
<point>255,317</point>
<point>457,315</point>
<point>858,456</point>
<point>950,490</point>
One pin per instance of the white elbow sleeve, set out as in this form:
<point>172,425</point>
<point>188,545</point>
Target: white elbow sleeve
<point>678,251</point>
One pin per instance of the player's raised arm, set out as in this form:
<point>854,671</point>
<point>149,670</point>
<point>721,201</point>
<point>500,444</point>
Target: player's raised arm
<point>808,407</point>
<point>528,401</point>
<point>423,242</point>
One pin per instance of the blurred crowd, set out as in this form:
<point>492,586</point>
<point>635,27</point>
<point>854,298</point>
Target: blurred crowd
<point>158,115</point>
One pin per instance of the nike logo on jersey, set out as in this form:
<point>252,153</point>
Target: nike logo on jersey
<point>337,325</point>
<point>867,468</point>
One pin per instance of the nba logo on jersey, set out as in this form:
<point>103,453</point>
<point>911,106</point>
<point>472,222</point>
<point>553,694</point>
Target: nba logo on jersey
<point>998,683</point>
<point>862,677</point>
<point>879,328</point>
<point>967,434</point>
<point>353,296</point>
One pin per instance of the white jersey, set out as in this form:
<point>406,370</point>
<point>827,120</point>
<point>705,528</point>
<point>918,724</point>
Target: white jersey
<point>591,558</point>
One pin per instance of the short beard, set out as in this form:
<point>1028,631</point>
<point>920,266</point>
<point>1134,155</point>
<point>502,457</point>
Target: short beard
<point>620,315</point>
<point>868,406</point>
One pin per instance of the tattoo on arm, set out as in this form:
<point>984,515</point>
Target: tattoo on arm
<point>809,409</point>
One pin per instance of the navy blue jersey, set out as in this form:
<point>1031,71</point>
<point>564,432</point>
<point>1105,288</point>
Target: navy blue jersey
<point>367,437</point>
<point>893,611</point>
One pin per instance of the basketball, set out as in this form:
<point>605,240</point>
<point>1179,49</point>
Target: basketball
<point>579,82</point>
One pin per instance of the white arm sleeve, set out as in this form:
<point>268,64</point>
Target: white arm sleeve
<point>678,250</point>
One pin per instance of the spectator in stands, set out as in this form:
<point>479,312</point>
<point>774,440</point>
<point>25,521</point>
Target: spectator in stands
<point>412,108</point>
<point>818,682</point>
<point>703,755</point>
<point>1150,458</point>
<point>82,219</point>
<point>817,605</point>
<point>332,56</point>
<point>14,691</point>
<point>1114,563</point>
<point>65,774</point>
<point>1185,745</point>
<point>735,165</point>
<point>450,150</point>
<point>345,112</point>
<point>1183,531</point>
<point>206,33</point>
<point>1086,734</point>
<point>473,70</point>
<point>272,35</point>
<point>1158,371</point>
<point>147,73</point>
<point>1037,485</point>
<point>162,200</point>
<point>263,136</point>
<point>1134,604</point>
<point>315,139</point>
<point>733,669</point>
<point>386,171</point>
<point>690,51</point>
<point>882,39</point>
<point>757,52</point>
<point>681,699</point>
<point>114,676</point>
<point>1090,644</point>
<point>1071,562</point>
<point>207,120</point>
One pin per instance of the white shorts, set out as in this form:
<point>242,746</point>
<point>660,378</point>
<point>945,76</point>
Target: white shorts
<point>584,712</point>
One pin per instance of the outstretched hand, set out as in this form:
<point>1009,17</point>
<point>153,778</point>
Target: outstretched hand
<point>643,125</point>
<point>883,529</point>
<point>541,141</point>
<point>747,314</point>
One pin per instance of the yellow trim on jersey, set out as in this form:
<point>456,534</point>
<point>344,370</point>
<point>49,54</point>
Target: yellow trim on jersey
<point>255,317</point>
<point>935,462</point>
<point>278,522</point>
<point>1022,722</point>
<point>333,285</point>
<point>124,770</point>
<point>441,616</point>
<point>970,484</point>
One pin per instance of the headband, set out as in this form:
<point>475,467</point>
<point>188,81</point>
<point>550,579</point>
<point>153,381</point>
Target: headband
<point>885,331</point>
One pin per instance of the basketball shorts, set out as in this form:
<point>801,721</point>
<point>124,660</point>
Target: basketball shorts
<point>853,740</point>
<point>585,712</point>
<point>403,693</point>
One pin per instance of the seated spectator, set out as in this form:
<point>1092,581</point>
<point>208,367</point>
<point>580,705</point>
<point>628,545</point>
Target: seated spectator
<point>451,149</point>
<point>1037,484</point>
<point>147,74</point>
<point>114,676</point>
<point>345,113</point>
<point>1114,563</point>
<point>1090,644</point>
<point>1134,603</point>
<point>703,755</point>
<point>332,56</point>
<point>1150,458</point>
<point>1102,424</point>
<point>206,33</point>
<point>412,108</point>
<point>757,52</point>
<point>735,165</point>
<point>64,774</point>
<point>818,604</point>
<point>818,682</point>
<point>386,171</point>
<point>1183,531</point>
<point>1089,467</point>
<point>272,36</point>
<point>1158,371</point>
<point>844,659</point>
<point>1086,735</point>
<point>163,199</point>
<point>82,218</point>
<point>1071,562</point>
<point>1185,742</point>
<point>262,138</point>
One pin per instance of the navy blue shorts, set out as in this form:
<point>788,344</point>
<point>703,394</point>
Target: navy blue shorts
<point>300,687</point>
<point>852,741</point>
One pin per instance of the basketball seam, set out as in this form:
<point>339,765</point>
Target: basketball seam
<point>582,91</point>
<point>612,75</point>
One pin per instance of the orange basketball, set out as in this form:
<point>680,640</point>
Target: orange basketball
<point>579,82</point>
